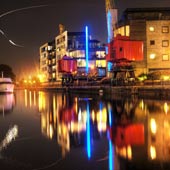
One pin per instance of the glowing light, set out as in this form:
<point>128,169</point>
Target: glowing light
<point>87,51</point>
<point>152,56</point>
<point>109,26</point>
<point>152,152</point>
<point>88,132</point>
<point>151,29</point>
<point>166,107</point>
<point>109,66</point>
<point>153,126</point>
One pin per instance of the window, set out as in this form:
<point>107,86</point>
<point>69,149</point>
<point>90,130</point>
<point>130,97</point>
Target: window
<point>165,57</point>
<point>152,56</point>
<point>151,29</point>
<point>165,29</point>
<point>152,42</point>
<point>165,43</point>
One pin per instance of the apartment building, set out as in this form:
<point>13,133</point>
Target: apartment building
<point>71,44</point>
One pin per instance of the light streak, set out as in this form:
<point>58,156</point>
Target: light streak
<point>16,10</point>
<point>14,44</point>
<point>10,136</point>
<point>21,9</point>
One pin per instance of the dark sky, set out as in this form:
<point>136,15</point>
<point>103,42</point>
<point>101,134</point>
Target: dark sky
<point>33,27</point>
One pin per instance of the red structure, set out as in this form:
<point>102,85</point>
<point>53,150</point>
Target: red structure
<point>123,47</point>
<point>67,65</point>
<point>132,134</point>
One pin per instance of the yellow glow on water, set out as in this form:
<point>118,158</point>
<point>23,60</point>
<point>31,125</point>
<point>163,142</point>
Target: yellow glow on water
<point>93,116</point>
<point>25,98</point>
<point>129,152</point>
<point>152,152</point>
<point>41,101</point>
<point>153,126</point>
<point>166,107</point>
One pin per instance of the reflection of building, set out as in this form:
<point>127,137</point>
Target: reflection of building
<point>7,103</point>
<point>159,134</point>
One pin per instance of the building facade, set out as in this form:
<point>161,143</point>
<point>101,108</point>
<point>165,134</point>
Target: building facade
<point>71,44</point>
<point>48,62</point>
<point>150,25</point>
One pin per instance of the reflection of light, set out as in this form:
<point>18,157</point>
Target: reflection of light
<point>54,110</point>
<point>153,125</point>
<point>110,114</point>
<point>88,132</point>
<point>41,101</point>
<point>30,98</point>
<point>166,107</point>
<point>101,118</point>
<point>125,152</point>
<point>25,97</point>
<point>152,152</point>
<point>141,105</point>
<point>129,152</point>
<point>11,135</point>
<point>111,161</point>
<point>51,132</point>
<point>35,98</point>
<point>93,115</point>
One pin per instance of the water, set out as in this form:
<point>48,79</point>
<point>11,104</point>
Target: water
<point>49,130</point>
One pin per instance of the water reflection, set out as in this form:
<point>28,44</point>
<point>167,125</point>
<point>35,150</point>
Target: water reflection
<point>7,103</point>
<point>137,130</point>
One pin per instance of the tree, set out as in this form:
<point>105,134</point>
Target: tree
<point>7,71</point>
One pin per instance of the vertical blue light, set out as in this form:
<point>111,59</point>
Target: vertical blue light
<point>87,50</point>
<point>109,26</point>
<point>88,132</point>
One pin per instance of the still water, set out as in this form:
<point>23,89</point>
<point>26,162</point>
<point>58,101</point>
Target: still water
<point>48,130</point>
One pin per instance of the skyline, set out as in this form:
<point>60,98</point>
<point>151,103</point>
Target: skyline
<point>30,28</point>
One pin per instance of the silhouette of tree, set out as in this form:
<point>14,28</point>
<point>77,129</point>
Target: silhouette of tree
<point>7,71</point>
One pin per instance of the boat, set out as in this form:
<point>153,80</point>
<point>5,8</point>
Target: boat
<point>6,85</point>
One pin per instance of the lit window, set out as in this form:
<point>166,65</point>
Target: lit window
<point>165,29</point>
<point>127,30</point>
<point>152,56</point>
<point>151,29</point>
<point>152,42</point>
<point>165,43</point>
<point>165,57</point>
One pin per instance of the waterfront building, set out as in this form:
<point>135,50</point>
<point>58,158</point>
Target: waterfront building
<point>71,44</point>
<point>152,26</point>
<point>48,62</point>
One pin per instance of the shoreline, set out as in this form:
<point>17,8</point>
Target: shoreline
<point>152,91</point>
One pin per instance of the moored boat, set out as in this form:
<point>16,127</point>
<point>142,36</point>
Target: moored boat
<point>6,85</point>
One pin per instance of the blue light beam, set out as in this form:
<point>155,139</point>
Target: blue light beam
<point>88,132</point>
<point>87,50</point>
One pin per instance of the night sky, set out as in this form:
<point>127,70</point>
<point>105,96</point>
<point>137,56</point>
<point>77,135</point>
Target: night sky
<point>33,27</point>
